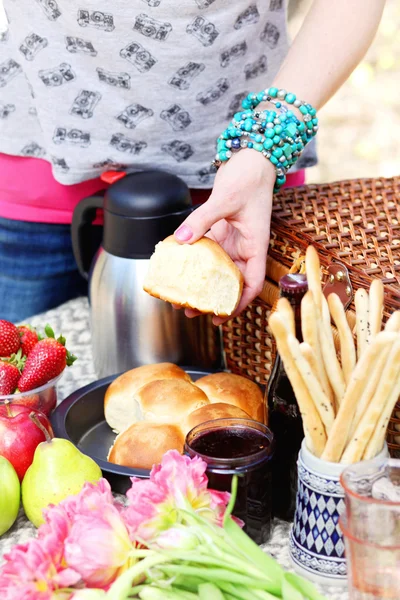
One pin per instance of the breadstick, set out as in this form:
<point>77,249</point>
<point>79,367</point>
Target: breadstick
<point>369,390</point>
<point>375,307</point>
<point>332,365</point>
<point>312,424</point>
<point>393,322</point>
<point>309,330</point>
<point>313,272</point>
<point>339,433</point>
<point>362,320</point>
<point>321,401</point>
<point>382,397</point>
<point>285,309</point>
<point>310,357</point>
<point>347,348</point>
<point>377,440</point>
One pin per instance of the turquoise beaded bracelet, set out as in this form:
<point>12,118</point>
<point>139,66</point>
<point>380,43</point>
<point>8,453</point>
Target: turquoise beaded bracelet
<point>280,136</point>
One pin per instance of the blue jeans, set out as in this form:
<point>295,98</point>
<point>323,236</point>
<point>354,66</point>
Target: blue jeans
<point>37,268</point>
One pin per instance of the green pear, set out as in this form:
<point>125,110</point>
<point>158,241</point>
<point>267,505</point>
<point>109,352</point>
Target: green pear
<point>58,470</point>
<point>10,495</point>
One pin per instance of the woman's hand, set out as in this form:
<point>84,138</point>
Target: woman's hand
<point>237,215</point>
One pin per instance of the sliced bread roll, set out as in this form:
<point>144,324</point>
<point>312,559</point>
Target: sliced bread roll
<point>210,413</point>
<point>121,407</point>
<point>235,390</point>
<point>200,276</point>
<point>143,445</point>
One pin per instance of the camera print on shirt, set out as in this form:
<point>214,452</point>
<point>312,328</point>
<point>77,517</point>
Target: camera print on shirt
<point>97,19</point>
<point>109,163</point>
<point>119,80</point>
<point>31,45</point>
<point>153,3</point>
<point>77,45</point>
<point>57,76</point>
<point>124,144</point>
<point>59,164</point>
<point>203,30</point>
<point>213,93</point>
<point>185,75</point>
<point>8,70</point>
<point>275,5</point>
<point>76,137</point>
<point>204,3</point>
<point>256,68</point>
<point>236,104</point>
<point>177,117</point>
<point>6,110</point>
<point>133,115</point>
<point>247,17</point>
<point>50,9</point>
<point>204,175</point>
<point>180,151</point>
<point>233,53</point>
<point>33,150</point>
<point>270,35</point>
<point>85,103</point>
<point>149,27</point>
<point>138,56</point>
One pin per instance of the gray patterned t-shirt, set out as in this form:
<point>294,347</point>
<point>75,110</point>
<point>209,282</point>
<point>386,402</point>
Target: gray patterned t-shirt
<point>93,85</point>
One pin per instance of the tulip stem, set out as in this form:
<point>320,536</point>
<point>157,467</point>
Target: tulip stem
<point>33,417</point>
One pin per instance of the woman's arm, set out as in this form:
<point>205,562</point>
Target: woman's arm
<point>333,39</point>
<point>331,42</point>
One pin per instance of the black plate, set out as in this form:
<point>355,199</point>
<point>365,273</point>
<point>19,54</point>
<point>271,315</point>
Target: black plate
<point>80,419</point>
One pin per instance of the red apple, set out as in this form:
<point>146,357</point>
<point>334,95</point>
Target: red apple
<point>19,436</point>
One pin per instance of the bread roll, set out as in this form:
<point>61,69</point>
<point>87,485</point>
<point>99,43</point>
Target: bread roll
<point>142,445</point>
<point>121,408</point>
<point>210,412</point>
<point>200,276</point>
<point>169,400</point>
<point>235,390</point>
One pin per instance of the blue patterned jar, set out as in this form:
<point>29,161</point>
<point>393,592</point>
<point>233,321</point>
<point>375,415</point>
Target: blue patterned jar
<point>317,546</point>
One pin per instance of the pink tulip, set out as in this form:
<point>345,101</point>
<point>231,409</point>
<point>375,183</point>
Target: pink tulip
<point>177,483</point>
<point>98,546</point>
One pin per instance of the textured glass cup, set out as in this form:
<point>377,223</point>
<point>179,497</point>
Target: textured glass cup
<point>371,528</point>
<point>238,447</point>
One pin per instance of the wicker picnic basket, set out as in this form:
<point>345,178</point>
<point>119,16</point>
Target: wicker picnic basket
<point>355,223</point>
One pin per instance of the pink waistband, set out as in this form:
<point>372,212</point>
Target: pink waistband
<point>29,192</point>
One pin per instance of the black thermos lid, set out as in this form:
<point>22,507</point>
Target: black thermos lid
<point>141,209</point>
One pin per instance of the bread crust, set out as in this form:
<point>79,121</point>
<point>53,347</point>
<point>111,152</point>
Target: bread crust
<point>236,390</point>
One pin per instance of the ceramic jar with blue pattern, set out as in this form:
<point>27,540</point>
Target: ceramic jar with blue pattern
<point>316,541</point>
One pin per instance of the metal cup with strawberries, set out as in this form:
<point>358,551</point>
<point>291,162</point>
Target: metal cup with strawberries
<point>31,366</point>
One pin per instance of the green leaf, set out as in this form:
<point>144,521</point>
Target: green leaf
<point>209,591</point>
<point>121,588</point>
<point>253,554</point>
<point>49,331</point>
<point>306,589</point>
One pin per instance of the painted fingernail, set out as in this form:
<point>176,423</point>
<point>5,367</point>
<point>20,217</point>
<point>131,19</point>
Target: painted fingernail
<point>183,233</point>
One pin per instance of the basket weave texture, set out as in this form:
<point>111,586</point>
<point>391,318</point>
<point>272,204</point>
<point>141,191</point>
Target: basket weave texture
<point>354,222</point>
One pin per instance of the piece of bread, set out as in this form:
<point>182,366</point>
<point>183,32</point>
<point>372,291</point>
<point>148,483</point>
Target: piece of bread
<point>143,445</point>
<point>121,408</point>
<point>220,410</point>
<point>200,276</point>
<point>235,390</point>
<point>169,400</point>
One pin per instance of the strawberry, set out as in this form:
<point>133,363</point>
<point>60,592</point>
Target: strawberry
<point>9,377</point>
<point>9,338</point>
<point>29,338</point>
<point>47,359</point>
